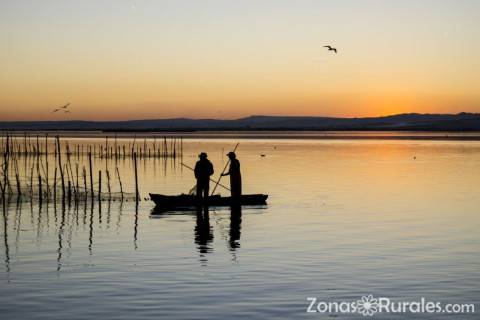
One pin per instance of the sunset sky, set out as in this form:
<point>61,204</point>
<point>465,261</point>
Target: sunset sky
<point>116,59</point>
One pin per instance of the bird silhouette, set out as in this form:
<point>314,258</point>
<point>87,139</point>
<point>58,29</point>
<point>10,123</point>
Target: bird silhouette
<point>330,48</point>
<point>64,108</point>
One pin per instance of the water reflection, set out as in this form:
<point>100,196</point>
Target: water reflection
<point>84,216</point>
<point>108,212</point>
<point>70,221</point>
<point>203,233</point>
<point>18,222</point>
<point>90,233</point>
<point>235,226</point>
<point>207,220</point>
<point>135,228</point>
<point>372,199</point>
<point>60,239</point>
<point>119,219</point>
<point>5,237</point>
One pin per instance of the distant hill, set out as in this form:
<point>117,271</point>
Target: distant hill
<point>403,122</point>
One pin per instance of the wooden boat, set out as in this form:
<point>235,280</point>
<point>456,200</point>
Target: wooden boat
<point>191,201</point>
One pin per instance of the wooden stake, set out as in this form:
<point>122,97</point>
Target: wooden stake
<point>55,185</point>
<point>91,173</point>
<point>46,167</point>
<point>40,189</point>
<point>108,184</point>
<point>120,182</point>
<point>99,185</point>
<point>69,192</point>
<point>60,167</point>
<point>85,180</point>
<point>137,195</point>
<point>19,189</point>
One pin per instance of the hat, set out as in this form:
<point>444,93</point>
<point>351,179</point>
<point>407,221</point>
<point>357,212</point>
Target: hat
<point>231,153</point>
<point>202,155</point>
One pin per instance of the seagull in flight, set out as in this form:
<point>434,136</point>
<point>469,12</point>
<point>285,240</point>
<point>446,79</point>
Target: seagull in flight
<point>330,48</point>
<point>64,108</point>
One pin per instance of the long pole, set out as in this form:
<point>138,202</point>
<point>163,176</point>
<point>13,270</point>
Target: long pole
<point>221,185</point>
<point>226,166</point>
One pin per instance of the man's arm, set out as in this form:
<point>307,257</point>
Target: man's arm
<point>228,172</point>
<point>211,169</point>
<point>195,171</point>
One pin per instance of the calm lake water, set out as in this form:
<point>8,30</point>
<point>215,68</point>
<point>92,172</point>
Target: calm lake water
<point>345,218</point>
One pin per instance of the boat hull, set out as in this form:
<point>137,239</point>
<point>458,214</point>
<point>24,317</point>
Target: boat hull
<point>189,201</point>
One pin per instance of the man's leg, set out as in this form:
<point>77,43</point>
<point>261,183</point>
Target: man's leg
<point>206,191</point>
<point>199,190</point>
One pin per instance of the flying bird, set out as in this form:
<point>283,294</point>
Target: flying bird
<point>330,48</point>
<point>64,108</point>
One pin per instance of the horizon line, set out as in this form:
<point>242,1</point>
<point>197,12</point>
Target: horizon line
<point>250,116</point>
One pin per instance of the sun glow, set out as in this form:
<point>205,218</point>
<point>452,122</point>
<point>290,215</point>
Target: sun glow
<point>128,61</point>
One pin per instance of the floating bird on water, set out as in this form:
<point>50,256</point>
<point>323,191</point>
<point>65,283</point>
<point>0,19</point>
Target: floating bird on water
<point>64,108</point>
<point>330,48</point>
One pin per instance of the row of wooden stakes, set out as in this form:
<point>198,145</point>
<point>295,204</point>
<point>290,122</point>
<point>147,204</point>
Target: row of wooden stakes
<point>66,184</point>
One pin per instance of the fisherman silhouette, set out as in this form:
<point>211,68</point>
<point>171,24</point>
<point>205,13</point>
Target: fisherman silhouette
<point>235,176</point>
<point>203,171</point>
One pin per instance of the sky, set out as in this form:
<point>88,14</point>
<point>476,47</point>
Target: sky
<point>118,60</point>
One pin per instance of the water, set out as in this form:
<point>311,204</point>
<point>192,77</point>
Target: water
<point>345,218</point>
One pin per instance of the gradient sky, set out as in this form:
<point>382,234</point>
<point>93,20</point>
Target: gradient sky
<point>115,59</point>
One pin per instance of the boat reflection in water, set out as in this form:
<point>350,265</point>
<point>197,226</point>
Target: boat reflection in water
<point>203,231</point>
<point>235,226</point>
<point>206,218</point>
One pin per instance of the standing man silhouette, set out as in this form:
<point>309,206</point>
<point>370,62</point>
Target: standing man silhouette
<point>203,171</point>
<point>235,177</point>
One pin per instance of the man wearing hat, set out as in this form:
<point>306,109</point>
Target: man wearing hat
<point>235,176</point>
<point>203,171</point>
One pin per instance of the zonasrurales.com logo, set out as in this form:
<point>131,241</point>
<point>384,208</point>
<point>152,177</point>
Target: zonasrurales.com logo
<point>369,306</point>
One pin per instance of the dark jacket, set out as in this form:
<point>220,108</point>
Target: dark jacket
<point>235,178</point>
<point>234,170</point>
<point>203,170</point>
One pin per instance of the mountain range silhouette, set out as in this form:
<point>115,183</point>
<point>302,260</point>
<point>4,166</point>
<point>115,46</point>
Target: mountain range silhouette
<point>400,122</point>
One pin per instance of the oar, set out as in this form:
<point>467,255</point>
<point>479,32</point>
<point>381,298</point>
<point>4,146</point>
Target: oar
<point>221,185</point>
<point>226,166</point>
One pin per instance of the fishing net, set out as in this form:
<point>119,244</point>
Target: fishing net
<point>193,191</point>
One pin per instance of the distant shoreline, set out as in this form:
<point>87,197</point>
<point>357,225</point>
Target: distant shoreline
<point>461,122</point>
<point>261,134</point>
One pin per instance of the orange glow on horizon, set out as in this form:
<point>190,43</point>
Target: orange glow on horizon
<point>226,60</point>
